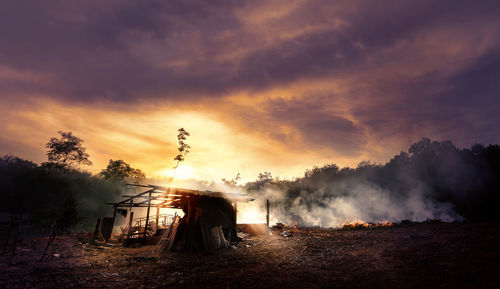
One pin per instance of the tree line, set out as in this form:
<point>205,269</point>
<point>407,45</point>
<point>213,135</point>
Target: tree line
<point>57,196</point>
<point>466,179</point>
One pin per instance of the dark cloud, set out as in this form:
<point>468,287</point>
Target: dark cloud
<point>124,50</point>
<point>406,67</point>
<point>461,106</point>
<point>88,50</point>
<point>318,127</point>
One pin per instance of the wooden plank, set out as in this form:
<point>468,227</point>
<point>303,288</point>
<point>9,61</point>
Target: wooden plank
<point>172,235</point>
<point>160,247</point>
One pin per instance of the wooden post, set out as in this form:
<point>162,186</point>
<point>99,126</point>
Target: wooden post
<point>234,232</point>
<point>235,213</point>
<point>147,216</point>
<point>96,230</point>
<point>267,213</point>
<point>130,224</point>
<point>157,217</point>
<point>114,216</point>
<point>189,221</point>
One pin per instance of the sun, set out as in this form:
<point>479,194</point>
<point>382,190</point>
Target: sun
<point>183,172</point>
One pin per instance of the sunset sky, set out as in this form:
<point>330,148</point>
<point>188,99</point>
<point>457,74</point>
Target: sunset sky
<point>277,86</point>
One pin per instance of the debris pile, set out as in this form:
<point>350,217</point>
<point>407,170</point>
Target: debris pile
<point>363,225</point>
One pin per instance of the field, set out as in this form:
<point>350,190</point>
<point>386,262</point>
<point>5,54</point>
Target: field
<point>433,255</point>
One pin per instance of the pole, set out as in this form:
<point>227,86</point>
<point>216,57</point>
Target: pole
<point>235,213</point>
<point>234,233</point>
<point>130,224</point>
<point>157,217</point>
<point>267,213</point>
<point>113,222</point>
<point>96,231</point>
<point>147,216</point>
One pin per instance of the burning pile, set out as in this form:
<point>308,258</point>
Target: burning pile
<point>363,225</point>
<point>285,230</point>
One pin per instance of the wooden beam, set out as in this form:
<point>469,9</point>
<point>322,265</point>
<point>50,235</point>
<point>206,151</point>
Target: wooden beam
<point>153,194</point>
<point>153,199</point>
<point>147,217</point>
<point>136,196</point>
<point>144,206</point>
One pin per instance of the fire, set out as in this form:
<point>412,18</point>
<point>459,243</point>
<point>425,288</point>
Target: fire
<point>281,226</point>
<point>363,225</point>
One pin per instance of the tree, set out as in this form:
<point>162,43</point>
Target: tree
<point>232,182</point>
<point>183,147</point>
<point>265,177</point>
<point>67,151</point>
<point>119,170</point>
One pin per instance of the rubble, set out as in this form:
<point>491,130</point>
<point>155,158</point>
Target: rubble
<point>286,233</point>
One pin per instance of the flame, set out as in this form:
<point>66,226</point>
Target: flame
<point>363,225</point>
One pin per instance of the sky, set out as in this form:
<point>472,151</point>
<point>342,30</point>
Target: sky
<point>278,86</point>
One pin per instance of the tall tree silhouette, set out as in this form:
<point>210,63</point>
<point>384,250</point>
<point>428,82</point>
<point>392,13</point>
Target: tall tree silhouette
<point>67,151</point>
<point>183,146</point>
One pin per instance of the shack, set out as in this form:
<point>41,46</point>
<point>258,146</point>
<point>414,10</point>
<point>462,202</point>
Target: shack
<point>209,220</point>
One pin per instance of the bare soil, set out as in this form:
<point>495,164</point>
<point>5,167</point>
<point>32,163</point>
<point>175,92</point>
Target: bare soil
<point>442,255</point>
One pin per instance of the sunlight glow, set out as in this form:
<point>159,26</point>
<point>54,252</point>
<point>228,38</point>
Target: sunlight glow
<point>251,213</point>
<point>183,172</point>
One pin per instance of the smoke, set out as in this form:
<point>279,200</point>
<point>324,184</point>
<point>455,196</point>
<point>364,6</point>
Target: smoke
<point>364,202</point>
<point>433,180</point>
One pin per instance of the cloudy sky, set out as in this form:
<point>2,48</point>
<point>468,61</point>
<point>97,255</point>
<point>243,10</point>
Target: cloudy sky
<point>275,86</point>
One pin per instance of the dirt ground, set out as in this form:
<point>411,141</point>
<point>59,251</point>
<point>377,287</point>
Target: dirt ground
<point>442,255</point>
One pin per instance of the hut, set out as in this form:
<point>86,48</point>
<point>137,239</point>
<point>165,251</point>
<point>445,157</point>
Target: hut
<point>209,220</point>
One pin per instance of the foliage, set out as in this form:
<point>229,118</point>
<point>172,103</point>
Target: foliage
<point>183,146</point>
<point>67,151</point>
<point>232,182</point>
<point>35,194</point>
<point>118,171</point>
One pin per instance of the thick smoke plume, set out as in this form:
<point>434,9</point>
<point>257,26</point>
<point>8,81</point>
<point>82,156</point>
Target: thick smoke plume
<point>433,180</point>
